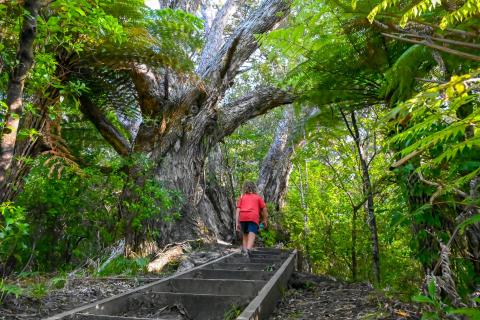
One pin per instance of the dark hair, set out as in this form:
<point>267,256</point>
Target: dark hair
<point>249,187</point>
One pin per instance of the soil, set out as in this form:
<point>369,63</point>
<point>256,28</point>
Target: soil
<point>77,292</point>
<point>81,290</point>
<point>308,296</point>
<point>323,297</point>
<point>174,312</point>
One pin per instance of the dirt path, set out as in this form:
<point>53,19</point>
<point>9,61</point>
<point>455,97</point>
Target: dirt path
<point>78,292</point>
<point>320,297</point>
<point>81,290</point>
<point>308,297</point>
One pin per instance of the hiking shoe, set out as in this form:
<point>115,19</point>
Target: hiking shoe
<point>244,252</point>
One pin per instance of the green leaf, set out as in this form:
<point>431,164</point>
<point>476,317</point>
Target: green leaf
<point>470,312</point>
<point>469,221</point>
<point>80,11</point>
<point>432,289</point>
<point>422,299</point>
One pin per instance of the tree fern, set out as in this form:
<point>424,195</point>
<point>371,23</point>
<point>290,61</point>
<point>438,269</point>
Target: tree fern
<point>419,9</point>
<point>400,78</point>
<point>382,6</point>
<point>437,129</point>
<point>469,9</point>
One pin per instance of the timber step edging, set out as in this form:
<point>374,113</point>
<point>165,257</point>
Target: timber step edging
<point>98,303</point>
<point>264,303</point>
<point>207,292</point>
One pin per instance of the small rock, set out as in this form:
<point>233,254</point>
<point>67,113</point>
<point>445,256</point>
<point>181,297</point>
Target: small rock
<point>185,265</point>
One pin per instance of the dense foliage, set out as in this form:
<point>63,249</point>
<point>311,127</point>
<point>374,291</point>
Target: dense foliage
<point>384,171</point>
<point>73,189</point>
<point>416,97</point>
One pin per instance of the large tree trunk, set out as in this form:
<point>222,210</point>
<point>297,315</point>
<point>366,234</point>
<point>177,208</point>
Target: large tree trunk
<point>220,187</point>
<point>276,166</point>
<point>24,149</point>
<point>207,211</point>
<point>181,158</point>
<point>180,129</point>
<point>15,89</point>
<point>29,148</point>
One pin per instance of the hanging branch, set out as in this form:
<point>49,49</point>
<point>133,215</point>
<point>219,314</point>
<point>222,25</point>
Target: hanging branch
<point>103,125</point>
<point>444,40</point>
<point>435,46</point>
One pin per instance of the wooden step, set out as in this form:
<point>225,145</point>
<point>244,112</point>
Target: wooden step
<point>228,284</point>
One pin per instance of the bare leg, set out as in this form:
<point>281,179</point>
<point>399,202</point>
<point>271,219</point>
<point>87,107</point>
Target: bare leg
<point>250,240</point>
<point>245,240</point>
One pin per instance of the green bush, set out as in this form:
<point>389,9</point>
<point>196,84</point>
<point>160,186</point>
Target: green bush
<point>13,235</point>
<point>9,289</point>
<point>125,266</point>
<point>72,216</point>
<point>75,214</point>
<point>269,237</point>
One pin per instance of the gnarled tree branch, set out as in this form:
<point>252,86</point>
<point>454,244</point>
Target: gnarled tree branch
<point>152,95</point>
<point>189,6</point>
<point>232,115</point>
<point>238,48</point>
<point>215,33</point>
<point>276,166</point>
<point>106,129</point>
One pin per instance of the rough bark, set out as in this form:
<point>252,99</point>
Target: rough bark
<point>187,130</point>
<point>152,94</point>
<point>106,129</point>
<point>220,185</point>
<point>215,32</point>
<point>276,166</point>
<point>26,148</point>
<point>15,87</point>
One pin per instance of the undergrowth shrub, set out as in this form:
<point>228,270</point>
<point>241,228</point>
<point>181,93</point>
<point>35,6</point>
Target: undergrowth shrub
<point>73,216</point>
<point>14,232</point>
<point>74,213</point>
<point>275,232</point>
<point>125,266</point>
<point>8,289</point>
<point>269,237</point>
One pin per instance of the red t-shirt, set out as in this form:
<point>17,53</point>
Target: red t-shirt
<point>250,205</point>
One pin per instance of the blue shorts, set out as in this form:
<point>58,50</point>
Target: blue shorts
<point>249,226</point>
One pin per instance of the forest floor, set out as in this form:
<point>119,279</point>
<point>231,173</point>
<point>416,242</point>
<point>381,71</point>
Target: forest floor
<point>323,297</point>
<point>44,300</point>
<point>308,296</point>
<point>77,292</point>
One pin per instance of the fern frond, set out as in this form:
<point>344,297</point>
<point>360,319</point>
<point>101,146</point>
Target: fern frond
<point>470,9</point>
<point>400,78</point>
